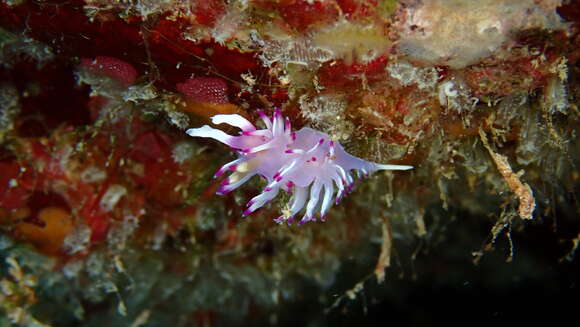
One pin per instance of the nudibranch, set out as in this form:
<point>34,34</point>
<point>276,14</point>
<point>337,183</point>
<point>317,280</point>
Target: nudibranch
<point>305,163</point>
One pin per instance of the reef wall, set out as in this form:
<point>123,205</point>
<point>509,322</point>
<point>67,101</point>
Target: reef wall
<point>108,211</point>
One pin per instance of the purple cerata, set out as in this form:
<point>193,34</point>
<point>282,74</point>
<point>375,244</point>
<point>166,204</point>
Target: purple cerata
<point>304,163</point>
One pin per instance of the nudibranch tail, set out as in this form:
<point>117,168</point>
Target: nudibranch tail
<point>393,167</point>
<point>306,163</point>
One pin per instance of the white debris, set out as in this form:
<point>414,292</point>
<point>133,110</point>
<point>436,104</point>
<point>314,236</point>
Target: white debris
<point>78,240</point>
<point>93,174</point>
<point>112,197</point>
<point>408,74</point>
<point>182,152</point>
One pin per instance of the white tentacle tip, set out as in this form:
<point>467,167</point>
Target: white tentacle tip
<point>203,131</point>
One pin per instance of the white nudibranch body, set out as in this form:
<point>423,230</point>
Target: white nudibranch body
<point>306,163</point>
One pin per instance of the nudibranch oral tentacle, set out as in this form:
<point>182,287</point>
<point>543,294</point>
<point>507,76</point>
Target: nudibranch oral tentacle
<point>307,163</point>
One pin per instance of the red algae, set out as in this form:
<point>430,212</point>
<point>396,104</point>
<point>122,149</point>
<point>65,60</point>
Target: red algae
<point>302,15</point>
<point>208,11</point>
<point>358,9</point>
<point>165,41</point>
<point>339,74</point>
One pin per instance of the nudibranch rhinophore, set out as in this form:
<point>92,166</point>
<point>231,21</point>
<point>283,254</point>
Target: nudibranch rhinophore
<point>303,163</point>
